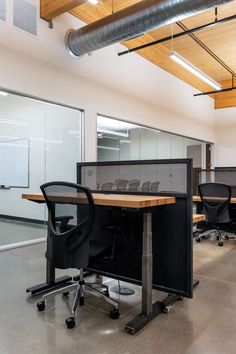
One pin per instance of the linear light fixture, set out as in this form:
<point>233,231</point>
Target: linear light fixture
<point>201,75</point>
<point>94,2</point>
<point>3,93</point>
<point>112,132</point>
<point>74,132</point>
<point>14,122</point>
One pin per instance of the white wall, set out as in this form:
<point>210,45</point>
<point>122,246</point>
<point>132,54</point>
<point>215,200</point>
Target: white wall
<point>23,74</point>
<point>225,130</point>
<point>128,88</point>
<point>141,92</point>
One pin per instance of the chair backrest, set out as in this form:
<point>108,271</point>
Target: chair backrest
<point>133,185</point>
<point>107,186</point>
<point>146,186</point>
<point>71,215</point>
<point>215,198</point>
<point>154,186</point>
<point>121,184</point>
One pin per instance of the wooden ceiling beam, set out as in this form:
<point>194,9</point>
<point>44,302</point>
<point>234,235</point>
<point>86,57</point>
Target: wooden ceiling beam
<point>225,99</point>
<point>50,9</point>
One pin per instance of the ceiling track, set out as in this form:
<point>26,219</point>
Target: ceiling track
<point>178,35</point>
<point>207,49</point>
<point>214,92</point>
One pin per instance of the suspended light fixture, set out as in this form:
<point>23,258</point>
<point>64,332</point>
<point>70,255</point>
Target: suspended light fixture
<point>94,2</point>
<point>201,75</point>
<point>3,93</point>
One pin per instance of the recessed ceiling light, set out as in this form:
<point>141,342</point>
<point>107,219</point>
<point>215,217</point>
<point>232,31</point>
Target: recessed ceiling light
<point>94,2</point>
<point>3,93</point>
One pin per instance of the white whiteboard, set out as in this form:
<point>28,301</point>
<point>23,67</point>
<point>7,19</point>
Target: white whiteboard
<point>14,163</point>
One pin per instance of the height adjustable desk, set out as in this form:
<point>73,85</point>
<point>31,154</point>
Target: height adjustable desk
<point>146,204</point>
<point>155,232</point>
<point>197,199</point>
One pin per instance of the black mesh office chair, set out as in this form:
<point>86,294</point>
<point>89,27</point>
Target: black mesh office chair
<point>107,186</point>
<point>133,185</point>
<point>154,186</point>
<point>120,184</point>
<point>215,198</point>
<point>146,186</point>
<point>71,216</point>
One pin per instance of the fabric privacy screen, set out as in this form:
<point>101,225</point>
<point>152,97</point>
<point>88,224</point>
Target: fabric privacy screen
<point>171,224</point>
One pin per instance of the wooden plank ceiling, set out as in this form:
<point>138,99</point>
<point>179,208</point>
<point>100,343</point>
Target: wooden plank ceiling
<point>220,39</point>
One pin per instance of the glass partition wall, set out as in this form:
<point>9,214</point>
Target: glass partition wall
<point>118,140</point>
<point>39,142</point>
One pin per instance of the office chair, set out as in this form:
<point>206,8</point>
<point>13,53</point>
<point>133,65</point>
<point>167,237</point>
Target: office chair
<point>154,186</point>
<point>146,186</point>
<point>133,185</point>
<point>71,217</point>
<point>120,184</point>
<point>107,186</point>
<point>215,198</point>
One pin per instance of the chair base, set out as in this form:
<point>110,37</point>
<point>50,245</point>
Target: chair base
<point>80,288</point>
<point>220,235</point>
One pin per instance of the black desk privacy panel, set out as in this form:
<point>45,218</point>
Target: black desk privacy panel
<point>171,224</point>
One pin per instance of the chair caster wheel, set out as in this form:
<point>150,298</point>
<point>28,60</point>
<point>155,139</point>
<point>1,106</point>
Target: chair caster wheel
<point>66,293</point>
<point>220,243</point>
<point>198,239</point>
<point>70,322</point>
<point>41,306</point>
<point>166,309</point>
<point>81,301</point>
<point>115,314</point>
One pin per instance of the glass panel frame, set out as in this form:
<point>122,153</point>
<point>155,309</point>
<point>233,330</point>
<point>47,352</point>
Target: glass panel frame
<point>119,140</point>
<point>30,117</point>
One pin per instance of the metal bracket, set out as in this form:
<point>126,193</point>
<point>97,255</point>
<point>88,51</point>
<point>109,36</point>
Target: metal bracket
<point>50,24</point>
<point>216,14</point>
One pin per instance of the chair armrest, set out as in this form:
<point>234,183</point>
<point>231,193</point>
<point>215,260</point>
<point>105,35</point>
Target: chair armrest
<point>63,221</point>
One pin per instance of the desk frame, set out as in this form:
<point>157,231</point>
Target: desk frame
<point>184,270</point>
<point>86,175</point>
<point>149,310</point>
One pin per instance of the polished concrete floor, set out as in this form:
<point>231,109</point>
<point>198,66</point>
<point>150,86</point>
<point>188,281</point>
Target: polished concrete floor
<point>12,231</point>
<point>206,324</point>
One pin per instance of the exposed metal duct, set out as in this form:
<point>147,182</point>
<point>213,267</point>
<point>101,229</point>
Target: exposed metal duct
<point>133,21</point>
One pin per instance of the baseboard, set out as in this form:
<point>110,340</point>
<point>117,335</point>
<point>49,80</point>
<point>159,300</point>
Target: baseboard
<point>18,218</point>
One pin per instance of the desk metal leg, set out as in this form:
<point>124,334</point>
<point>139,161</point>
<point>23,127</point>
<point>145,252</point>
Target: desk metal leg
<point>51,283</point>
<point>149,310</point>
<point>147,264</point>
